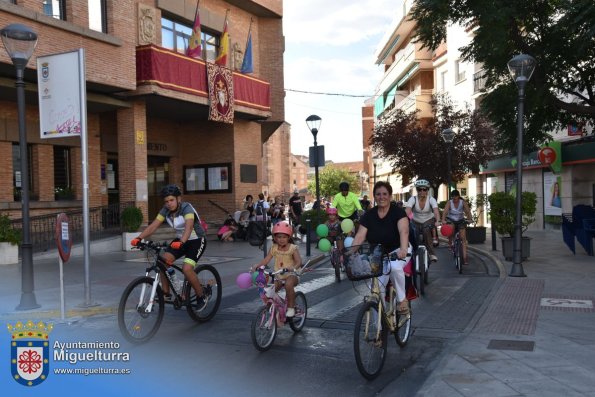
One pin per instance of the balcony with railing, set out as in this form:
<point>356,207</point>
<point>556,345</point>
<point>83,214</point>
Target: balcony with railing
<point>417,100</point>
<point>176,72</point>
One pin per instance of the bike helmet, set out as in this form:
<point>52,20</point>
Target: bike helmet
<point>422,183</point>
<point>343,186</point>
<point>282,227</point>
<point>331,211</point>
<point>170,190</point>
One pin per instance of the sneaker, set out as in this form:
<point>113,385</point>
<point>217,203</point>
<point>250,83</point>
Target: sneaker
<point>168,297</point>
<point>200,303</point>
<point>433,258</point>
<point>290,312</point>
<point>435,242</point>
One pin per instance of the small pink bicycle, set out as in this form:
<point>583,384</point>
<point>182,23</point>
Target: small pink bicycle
<point>272,314</point>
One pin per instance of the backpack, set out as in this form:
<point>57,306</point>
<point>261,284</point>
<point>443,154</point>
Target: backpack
<point>259,211</point>
<point>256,233</point>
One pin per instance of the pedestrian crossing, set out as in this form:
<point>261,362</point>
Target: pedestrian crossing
<point>327,299</point>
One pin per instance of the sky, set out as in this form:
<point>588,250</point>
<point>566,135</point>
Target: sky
<point>330,47</point>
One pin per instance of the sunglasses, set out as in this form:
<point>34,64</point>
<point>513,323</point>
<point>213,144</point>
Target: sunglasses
<point>422,189</point>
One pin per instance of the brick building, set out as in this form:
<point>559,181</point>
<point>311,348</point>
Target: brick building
<point>148,106</point>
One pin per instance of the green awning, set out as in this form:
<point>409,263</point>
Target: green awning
<point>379,106</point>
<point>407,75</point>
<point>390,97</point>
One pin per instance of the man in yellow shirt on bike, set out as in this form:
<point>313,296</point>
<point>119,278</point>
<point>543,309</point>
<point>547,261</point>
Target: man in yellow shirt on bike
<point>347,203</point>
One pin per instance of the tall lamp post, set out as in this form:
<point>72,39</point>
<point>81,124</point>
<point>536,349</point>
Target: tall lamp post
<point>521,68</point>
<point>375,162</point>
<point>448,135</point>
<point>313,123</point>
<point>19,42</point>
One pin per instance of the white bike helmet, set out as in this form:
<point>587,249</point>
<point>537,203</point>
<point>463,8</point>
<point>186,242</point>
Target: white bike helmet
<point>422,183</point>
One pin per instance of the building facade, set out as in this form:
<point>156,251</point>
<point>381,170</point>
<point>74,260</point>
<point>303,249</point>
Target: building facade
<point>148,105</point>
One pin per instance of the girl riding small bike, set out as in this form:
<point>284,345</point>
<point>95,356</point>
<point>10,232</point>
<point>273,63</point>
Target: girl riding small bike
<point>286,255</point>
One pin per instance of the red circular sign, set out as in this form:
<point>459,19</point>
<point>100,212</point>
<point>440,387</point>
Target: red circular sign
<point>547,155</point>
<point>63,237</point>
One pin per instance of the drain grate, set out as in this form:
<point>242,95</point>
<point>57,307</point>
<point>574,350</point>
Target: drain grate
<point>517,345</point>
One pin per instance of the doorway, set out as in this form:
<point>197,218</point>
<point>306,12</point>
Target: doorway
<point>157,177</point>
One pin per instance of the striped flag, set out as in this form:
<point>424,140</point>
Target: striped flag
<point>194,49</point>
<point>224,47</point>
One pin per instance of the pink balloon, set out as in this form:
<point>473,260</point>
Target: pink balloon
<point>244,280</point>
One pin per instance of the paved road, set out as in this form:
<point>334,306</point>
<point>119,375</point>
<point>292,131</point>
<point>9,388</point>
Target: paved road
<point>218,357</point>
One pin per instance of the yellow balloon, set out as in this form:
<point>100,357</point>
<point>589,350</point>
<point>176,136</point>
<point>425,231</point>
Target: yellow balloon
<point>347,225</point>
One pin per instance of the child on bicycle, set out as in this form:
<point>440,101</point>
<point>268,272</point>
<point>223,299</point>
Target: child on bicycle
<point>286,255</point>
<point>334,227</point>
<point>190,238</point>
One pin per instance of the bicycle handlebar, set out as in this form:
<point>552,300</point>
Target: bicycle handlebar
<point>152,245</point>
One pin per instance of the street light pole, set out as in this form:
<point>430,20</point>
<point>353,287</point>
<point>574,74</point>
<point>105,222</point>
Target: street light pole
<point>19,42</point>
<point>313,123</point>
<point>521,68</point>
<point>448,136</point>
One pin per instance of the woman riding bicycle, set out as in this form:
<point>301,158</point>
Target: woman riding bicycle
<point>190,238</point>
<point>425,212</point>
<point>286,256</point>
<point>388,225</point>
<point>454,212</point>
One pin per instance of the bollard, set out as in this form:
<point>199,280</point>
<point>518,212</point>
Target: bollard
<point>264,245</point>
<point>308,222</point>
<point>494,239</point>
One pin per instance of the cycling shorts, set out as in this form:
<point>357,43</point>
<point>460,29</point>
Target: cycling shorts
<point>192,250</point>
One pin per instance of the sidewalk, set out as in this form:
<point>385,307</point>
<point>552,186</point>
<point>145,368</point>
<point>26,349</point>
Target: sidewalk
<point>535,336</point>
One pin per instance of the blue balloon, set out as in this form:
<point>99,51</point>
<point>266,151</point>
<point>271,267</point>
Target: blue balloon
<point>348,242</point>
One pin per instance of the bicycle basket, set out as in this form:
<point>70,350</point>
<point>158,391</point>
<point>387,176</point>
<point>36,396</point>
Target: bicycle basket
<point>362,266</point>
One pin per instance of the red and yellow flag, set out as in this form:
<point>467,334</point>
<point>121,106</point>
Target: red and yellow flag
<point>224,46</point>
<point>194,49</point>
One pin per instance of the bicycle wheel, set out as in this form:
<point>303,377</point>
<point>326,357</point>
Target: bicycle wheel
<point>264,328</point>
<point>457,258</point>
<point>336,263</point>
<point>211,285</point>
<point>404,331</point>
<point>460,256</point>
<point>136,324</point>
<point>301,311</point>
<point>369,342</point>
<point>426,267</point>
<point>422,258</point>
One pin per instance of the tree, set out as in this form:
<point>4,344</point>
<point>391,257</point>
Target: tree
<point>329,178</point>
<point>415,148</point>
<point>559,34</point>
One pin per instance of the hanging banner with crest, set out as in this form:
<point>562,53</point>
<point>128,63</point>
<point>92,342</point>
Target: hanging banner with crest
<point>220,82</point>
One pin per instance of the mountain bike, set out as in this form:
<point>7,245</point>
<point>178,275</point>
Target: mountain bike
<point>272,314</point>
<point>378,316</point>
<point>141,307</point>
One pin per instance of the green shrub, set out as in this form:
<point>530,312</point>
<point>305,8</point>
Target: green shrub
<point>8,234</point>
<point>503,211</point>
<point>316,218</point>
<point>132,218</point>
<point>476,206</point>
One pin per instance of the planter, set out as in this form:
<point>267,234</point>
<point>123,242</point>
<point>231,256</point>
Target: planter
<point>126,239</point>
<point>508,248</point>
<point>9,254</point>
<point>476,234</point>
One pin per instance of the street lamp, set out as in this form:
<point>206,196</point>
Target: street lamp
<point>19,42</point>
<point>521,68</point>
<point>448,135</point>
<point>313,123</point>
<point>375,161</point>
